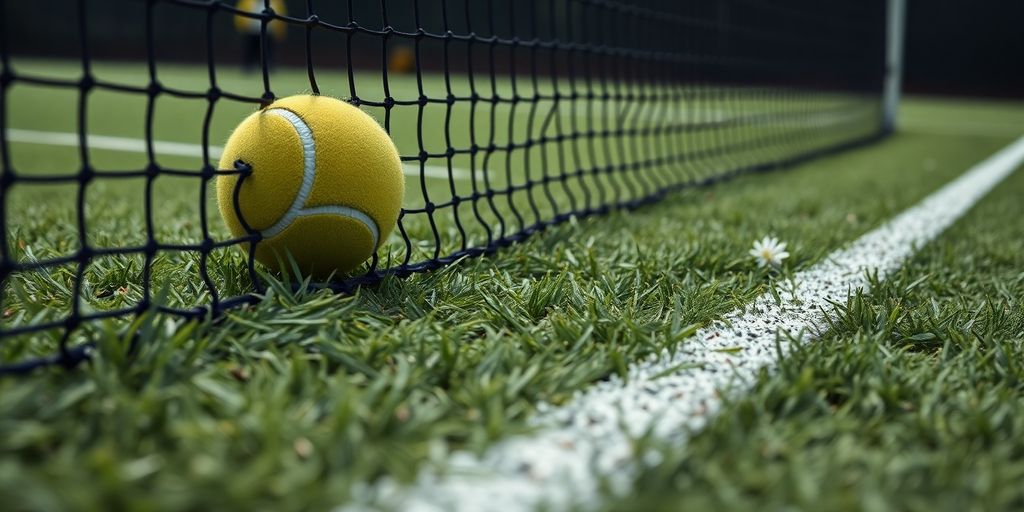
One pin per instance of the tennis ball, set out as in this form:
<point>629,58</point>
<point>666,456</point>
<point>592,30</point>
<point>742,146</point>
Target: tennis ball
<point>326,184</point>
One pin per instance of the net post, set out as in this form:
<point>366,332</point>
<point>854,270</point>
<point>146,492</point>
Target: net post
<point>895,32</point>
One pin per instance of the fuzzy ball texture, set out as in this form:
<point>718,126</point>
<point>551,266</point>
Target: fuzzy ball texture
<point>326,184</point>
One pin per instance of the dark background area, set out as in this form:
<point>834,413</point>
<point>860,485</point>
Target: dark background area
<point>952,47</point>
<point>835,45</point>
<point>963,47</point>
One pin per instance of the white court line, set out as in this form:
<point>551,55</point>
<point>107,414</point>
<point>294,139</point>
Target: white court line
<point>589,440</point>
<point>963,128</point>
<point>436,171</point>
<point>161,147</point>
<point>112,143</point>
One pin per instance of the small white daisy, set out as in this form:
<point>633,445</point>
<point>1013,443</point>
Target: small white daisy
<point>769,251</point>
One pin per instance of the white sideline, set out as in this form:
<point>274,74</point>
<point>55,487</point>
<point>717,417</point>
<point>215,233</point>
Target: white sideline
<point>588,441</point>
<point>111,143</point>
<point>161,147</point>
<point>962,128</point>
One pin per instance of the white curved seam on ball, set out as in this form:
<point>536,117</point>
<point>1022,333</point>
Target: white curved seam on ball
<point>296,209</point>
<point>308,170</point>
<point>344,211</point>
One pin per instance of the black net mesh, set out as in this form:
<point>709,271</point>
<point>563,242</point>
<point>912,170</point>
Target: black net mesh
<point>510,116</point>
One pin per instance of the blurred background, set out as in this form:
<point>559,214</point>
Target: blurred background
<point>965,48</point>
<point>952,48</point>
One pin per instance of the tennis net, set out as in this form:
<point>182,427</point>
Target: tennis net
<point>510,116</point>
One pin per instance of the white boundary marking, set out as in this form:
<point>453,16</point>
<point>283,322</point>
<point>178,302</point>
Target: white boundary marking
<point>435,171</point>
<point>961,128</point>
<point>589,441</point>
<point>123,144</point>
<point>298,207</point>
<point>161,147</point>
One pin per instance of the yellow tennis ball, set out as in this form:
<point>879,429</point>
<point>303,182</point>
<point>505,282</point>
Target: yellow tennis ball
<point>326,184</point>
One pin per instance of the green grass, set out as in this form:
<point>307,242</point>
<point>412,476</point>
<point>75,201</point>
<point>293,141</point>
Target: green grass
<point>913,401</point>
<point>44,218</point>
<point>293,402</point>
